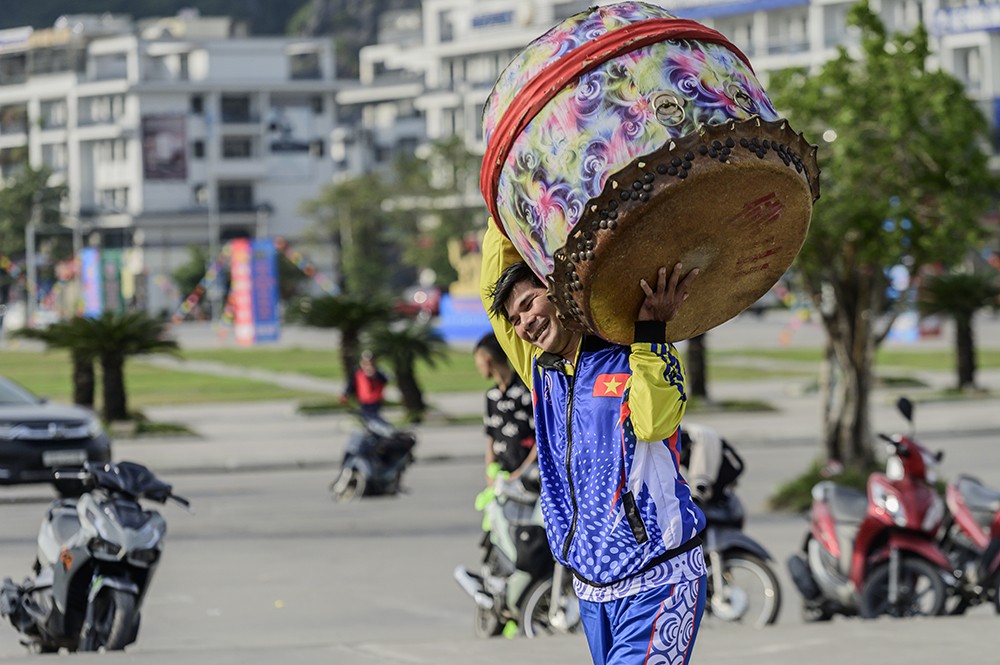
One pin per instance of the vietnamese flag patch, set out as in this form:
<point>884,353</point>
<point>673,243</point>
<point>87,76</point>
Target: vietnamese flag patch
<point>610,385</point>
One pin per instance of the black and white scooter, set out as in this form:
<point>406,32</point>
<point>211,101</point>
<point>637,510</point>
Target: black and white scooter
<point>96,557</point>
<point>374,461</point>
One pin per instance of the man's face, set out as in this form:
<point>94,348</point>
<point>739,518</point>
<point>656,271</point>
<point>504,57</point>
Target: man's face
<point>534,318</point>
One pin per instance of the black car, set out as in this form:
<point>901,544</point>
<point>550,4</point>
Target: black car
<point>37,437</point>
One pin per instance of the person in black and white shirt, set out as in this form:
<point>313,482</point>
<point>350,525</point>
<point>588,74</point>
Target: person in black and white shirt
<point>508,419</point>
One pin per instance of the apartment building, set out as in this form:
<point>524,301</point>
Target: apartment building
<point>169,132</point>
<point>432,71</point>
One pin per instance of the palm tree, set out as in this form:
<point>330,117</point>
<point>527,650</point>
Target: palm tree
<point>72,335</point>
<point>350,315</point>
<point>960,295</point>
<point>118,337</point>
<point>404,343</point>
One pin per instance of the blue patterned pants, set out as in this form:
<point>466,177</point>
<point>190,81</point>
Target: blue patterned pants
<point>655,627</point>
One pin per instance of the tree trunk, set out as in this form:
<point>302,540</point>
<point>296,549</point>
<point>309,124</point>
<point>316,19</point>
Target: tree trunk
<point>409,389</point>
<point>113,370</point>
<point>828,385</point>
<point>83,380</point>
<point>965,349</point>
<point>850,324</point>
<point>697,374</point>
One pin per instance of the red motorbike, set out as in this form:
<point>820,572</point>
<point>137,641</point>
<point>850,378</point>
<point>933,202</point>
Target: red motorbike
<point>972,542</point>
<point>876,553</point>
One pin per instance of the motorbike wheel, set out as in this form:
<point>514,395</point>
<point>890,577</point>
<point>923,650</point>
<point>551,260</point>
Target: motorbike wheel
<point>349,485</point>
<point>753,577</point>
<point>535,608</point>
<point>921,590</point>
<point>114,617</point>
<point>487,623</point>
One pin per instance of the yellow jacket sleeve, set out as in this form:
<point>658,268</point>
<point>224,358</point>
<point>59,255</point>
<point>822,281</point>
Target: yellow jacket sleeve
<point>498,254</point>
<point>656,397</point>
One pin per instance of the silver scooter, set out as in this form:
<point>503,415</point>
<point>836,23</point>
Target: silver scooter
<point>96,557</point>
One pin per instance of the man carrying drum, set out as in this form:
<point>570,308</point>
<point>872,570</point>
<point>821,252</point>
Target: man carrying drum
<point>617,511</point>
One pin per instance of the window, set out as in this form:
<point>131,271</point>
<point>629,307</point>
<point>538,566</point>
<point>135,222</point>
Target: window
<point>969,67</point>
<point>198,149</point>
<point>14,119</point>
<point>237,147</point>
<point>235,197</point>
<point>114,199</point>
<point>317,105</point>
<point>53,114</point>
<point>197,104</point>
<point>316,148</point>
<point>304,66</point>
<point>236,108</point>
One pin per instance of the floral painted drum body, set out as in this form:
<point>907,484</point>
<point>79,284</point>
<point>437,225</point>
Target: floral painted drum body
<point>625,139</point>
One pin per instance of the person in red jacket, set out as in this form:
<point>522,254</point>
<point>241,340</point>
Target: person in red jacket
<point>366,385</point>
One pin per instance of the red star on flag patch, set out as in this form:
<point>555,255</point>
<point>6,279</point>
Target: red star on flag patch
<point>610,385</point>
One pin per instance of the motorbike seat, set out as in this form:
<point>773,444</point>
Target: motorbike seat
<point>847,505</point>
<point>723,511</point>
<point>977,496</point>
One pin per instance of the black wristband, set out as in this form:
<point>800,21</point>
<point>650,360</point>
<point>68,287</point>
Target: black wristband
<point>650,331</point>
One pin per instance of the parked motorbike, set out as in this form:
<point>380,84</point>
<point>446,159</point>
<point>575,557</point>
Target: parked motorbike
<point>876,553</point>
<point>972,542</point>
<point>742,587</point>
<point>96,557</point>
<point>519,588</point>
<point>374,461</point>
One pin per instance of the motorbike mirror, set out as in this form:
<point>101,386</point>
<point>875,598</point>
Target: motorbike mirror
<point>184,503</point>
<point>886,438</point>
<point>905,407</point>
<point>938,456</point>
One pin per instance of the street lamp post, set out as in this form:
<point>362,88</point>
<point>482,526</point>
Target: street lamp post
<point>31,274</point>
<point>263,220</point>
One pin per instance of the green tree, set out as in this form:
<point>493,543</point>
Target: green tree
<point>440,188</point>
<point>351,316</point>
<point>959,295</point>
<point>18,195</point>
<point>119,336</point>
<point>187,275</point>
<point>353,214</point>
<point>905,180</point>
<point>111,338</point>
<point>404,343</point>
<point>74,335</point>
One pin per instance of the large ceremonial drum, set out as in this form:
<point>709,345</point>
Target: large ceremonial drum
<point>625,139</point>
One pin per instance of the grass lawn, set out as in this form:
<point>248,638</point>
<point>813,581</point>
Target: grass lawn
<point>456,372</point>
<point>932,359</point>
<point>48,374</point>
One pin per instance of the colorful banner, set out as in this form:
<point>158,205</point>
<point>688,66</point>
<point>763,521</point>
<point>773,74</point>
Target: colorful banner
<point>90,275</point>
<point>111,280</point>
<point>264,273</point>
<point>241,290</point>
<point>462,319</point>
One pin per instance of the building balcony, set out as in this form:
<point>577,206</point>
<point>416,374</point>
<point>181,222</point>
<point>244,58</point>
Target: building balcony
<point>240,118</point>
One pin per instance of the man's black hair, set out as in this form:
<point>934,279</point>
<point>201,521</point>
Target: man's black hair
<point>491,345</point>
<point>504,286</point>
